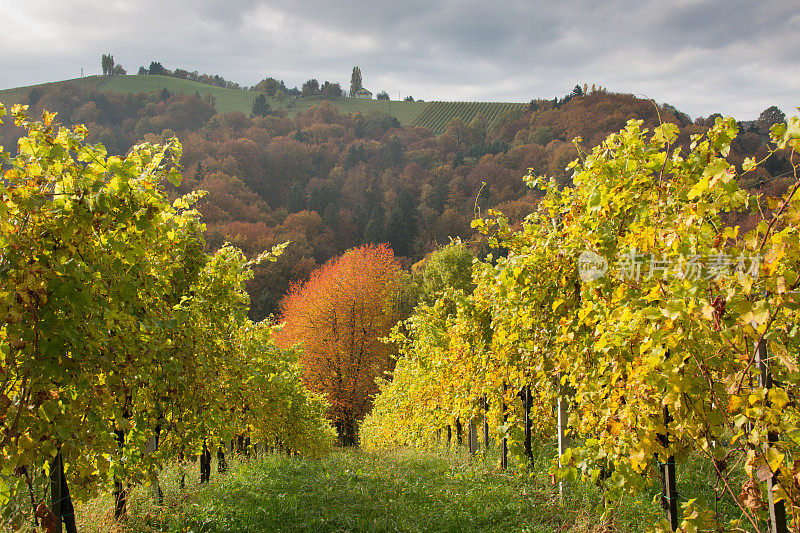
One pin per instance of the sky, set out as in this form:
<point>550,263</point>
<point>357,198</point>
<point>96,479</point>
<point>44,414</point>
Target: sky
<point>719,56</point>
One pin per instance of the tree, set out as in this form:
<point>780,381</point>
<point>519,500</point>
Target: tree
<point>142,71</point>
<point>310,88</point>
<point>331,90</point>
<point>449,268</point>
<point>383,95</point>
<point>408,98</point>
<point>158,68</point>
<point>356,82</point>
<point>107,62</point>
<point>402,226</point>
<point>768,117</point>
<point>297,198</point>
<point>261,107</point>
<point>118,70</point>
<point>270,86</point>
<point>340,316</point>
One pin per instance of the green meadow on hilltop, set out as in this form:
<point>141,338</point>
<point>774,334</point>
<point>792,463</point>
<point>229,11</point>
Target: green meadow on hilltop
<point>225,99</point>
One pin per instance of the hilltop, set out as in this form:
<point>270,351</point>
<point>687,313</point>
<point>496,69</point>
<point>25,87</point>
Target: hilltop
<point>433,115</point>
<point>225,99</point>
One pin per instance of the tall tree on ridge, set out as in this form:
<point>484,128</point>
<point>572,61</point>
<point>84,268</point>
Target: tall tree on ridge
<point>768,117</point>
<point>107,63</point>
<point>355,81</point>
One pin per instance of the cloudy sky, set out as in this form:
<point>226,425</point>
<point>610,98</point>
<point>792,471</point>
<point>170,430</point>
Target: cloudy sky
<point>728,56</point>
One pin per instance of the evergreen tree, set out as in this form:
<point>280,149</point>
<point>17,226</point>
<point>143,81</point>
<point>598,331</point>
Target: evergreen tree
<point>107,63</point>
<point>331,217</point>
<point>374,232</point>
<point>261,107</point>
<point>34,96</point>
<point>157,68</point>
<point>321,197</point>
<point>402,226</point>
<point>356,82</point>
<point>297,198</point>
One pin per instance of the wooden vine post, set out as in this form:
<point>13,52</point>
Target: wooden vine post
<point>526,399</point>
<point>205,464</point>
<point>777,511</point>
<point>504,441</point>
<point>563,443</point>
<point>150,448</point>
<point>485,423</point>
<point>60,500</point>
<point>669,492</point>
<point>472,437</point>
<point>55,492</point>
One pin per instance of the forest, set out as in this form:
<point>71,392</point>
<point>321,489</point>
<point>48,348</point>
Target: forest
<point>328,182</point>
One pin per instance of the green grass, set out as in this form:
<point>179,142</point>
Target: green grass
<point>226,99</point>
<point>404,490</point>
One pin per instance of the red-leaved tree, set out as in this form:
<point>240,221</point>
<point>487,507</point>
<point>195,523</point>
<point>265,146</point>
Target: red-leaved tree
<point>339,316</point>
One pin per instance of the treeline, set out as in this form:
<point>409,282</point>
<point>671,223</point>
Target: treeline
<point>156,68</point>
<point>328,182</point>
<point>270,86</point>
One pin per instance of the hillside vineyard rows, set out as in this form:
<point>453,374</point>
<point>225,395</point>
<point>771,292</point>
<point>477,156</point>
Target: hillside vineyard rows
<point>437,115</point>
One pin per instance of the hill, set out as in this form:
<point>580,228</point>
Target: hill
<point>225,99</point>
<point>327,179</point>
<point>432,115</point>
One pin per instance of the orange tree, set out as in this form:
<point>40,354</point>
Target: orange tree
<point>340,315</point>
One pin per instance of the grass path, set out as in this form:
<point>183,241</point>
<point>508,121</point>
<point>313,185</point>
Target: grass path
<point>351,490</point>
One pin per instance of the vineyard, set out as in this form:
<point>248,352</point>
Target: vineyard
<point>627,319</point>
<point>437,115</point>
<point>123,345</point>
